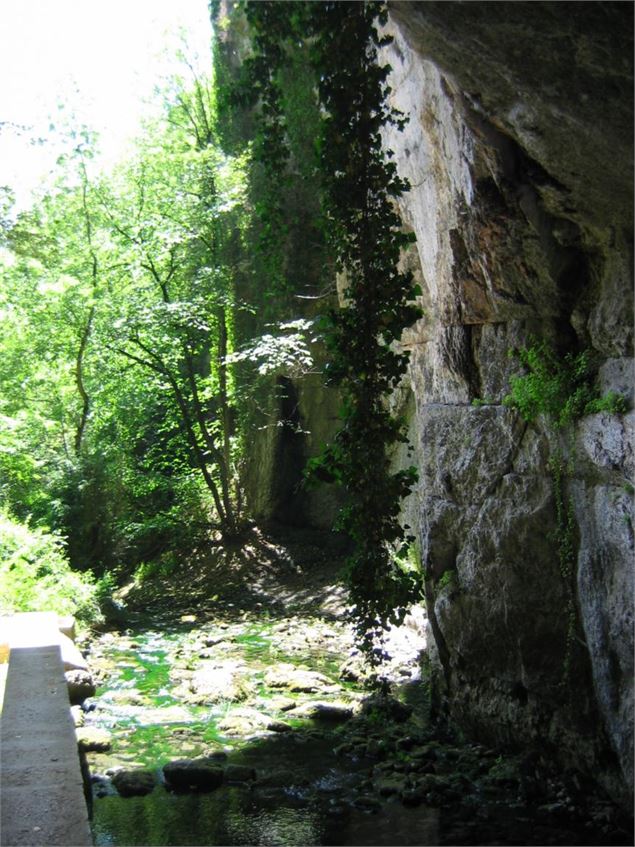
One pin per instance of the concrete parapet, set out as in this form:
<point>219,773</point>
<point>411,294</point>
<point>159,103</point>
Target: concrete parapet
<point>42,798</point>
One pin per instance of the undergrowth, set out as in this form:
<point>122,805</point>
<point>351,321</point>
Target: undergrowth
<point>35,575</point>
<point>561,388</point>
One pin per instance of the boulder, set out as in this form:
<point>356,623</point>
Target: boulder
<point>389,785</point>
<point>134,782</point>
<point>219,680</point>
<point>217,756</point>
<point>200,774</point>
<point>239,773</point>
<point>299,679</point>
<point>281,703</point>
<point>386,707</point>
<point>367,803</point>
<point>244,722</point>
<point>279,726</point>
<point>412,796</point>
<point>79,716</point>
<point>322,710</point>
<point>93,739</point>
<point>354,669</point>
<point>80,685</point>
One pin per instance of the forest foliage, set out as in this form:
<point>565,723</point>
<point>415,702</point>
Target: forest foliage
<point>117,425</point>
<point>35,575</point>
<point>142,307</point>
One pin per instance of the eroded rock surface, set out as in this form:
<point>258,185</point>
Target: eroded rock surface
<point>518,151</point>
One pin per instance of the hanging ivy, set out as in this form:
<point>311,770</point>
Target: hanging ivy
<point>359,187</point>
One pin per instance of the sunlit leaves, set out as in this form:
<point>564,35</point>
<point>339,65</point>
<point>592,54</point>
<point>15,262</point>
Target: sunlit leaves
<point>287,353</point>
<point>103,277</point>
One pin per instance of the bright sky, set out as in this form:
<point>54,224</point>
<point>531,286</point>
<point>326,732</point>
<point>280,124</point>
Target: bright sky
<point>101,57</point>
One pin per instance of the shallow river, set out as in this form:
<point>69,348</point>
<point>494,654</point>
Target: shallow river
<point>303,793</point>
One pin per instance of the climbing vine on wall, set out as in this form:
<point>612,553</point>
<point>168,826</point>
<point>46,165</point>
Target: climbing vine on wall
<point>359,186</point>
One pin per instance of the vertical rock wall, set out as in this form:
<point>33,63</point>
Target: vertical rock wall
<point>520,206</point>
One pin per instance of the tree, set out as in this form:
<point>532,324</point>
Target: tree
<point>117,393</point>
<point>175,215</point>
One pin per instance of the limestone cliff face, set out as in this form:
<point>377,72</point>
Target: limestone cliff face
<point>519,155</point>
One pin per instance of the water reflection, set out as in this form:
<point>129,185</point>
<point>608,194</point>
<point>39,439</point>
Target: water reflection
<point>269,827</point>
<point>237,816</point>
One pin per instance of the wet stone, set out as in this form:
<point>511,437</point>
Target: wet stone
<point>321,710</point>
<point>239,773</point>
<point>367,803</point>
<point>412,797</point>
<point>93,739</point>
<point>344,749</point>
<point>388,707</point>
<point>79,717</point>
<point>388,786</point>
<point>244,721</point>
<point>200,774</point>
<point>377,748</point>
<point>279,726</point>
<point>216,756</point>
<point>298,679</point>
<point>133,782</point>
<point>282,704</point>
<point>219,681</point>
<point>80,685</point>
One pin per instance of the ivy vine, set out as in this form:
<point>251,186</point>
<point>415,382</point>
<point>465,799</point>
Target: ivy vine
<point>359,186</point>
<point>272,25</point>
<point>565,539</point>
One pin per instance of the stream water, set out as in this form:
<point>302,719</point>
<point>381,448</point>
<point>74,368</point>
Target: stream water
<point>307,757</point>
<point>303,793</point>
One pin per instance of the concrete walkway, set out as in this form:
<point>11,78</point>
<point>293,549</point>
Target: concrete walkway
<point>41,789</point>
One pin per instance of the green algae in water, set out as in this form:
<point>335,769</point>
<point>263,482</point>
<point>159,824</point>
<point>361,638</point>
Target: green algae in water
<point>255,644</point>
<point>153,746</point>
<point>230,815</point>
<point>258,643</point>
<point>156,676</point>
<point>147,670</point>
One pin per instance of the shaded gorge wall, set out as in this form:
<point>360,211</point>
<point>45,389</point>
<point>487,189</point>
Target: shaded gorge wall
<point>519,154</point>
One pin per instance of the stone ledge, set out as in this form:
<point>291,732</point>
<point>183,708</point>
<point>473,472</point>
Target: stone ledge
<point>41,789</point>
